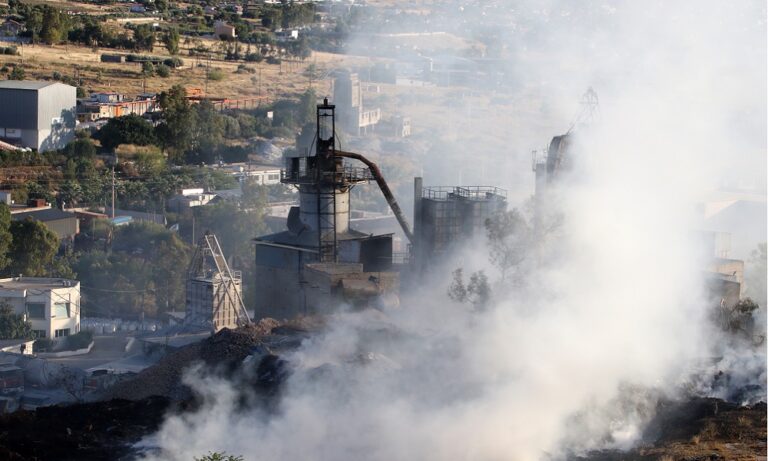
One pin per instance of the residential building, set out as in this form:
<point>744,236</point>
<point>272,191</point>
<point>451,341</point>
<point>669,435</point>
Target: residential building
<point>189,198</point>
<point>38,115</point>
<point>224,30</point>
<point>51,305</point>
<point>348,97</point>
<point>109,105</point>
<point>10,28</point>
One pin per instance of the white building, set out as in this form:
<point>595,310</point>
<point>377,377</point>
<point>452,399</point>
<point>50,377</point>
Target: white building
<point>51,305</point>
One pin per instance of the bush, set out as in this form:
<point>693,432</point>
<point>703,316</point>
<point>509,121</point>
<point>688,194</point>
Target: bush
<point>147,69</point>
<point>9,50</point>
<point>162,70</point>
<point>42,345</point>
<point>78,341</point>
<point>17,73</point>
<point>273,60</point>
<point>254,57</point>
<point>215,74</point>
<point>243,69</point>
<point>174,62</point>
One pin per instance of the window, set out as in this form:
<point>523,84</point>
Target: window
<point>273,177</point>
<point>61,310</point>
<point>36,310</point>
<point>62,333</point>
<point>38,334</point>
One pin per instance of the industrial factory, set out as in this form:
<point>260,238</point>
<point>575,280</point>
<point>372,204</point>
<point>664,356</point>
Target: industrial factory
<point>319,261</point>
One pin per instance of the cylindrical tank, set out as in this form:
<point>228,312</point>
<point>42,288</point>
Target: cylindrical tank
<point>308,206</point>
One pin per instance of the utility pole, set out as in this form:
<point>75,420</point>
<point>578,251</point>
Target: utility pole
<point>113,187</point>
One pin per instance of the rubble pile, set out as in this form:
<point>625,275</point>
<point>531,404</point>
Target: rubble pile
<point>92,431</point>
<point>225,349</point>
<point>164,378</point>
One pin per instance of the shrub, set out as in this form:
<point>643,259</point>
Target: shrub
<point>78,341</point>
<point>254,57</point>
<point>147,69</point>
<point>273,60</point>
<point>173,62</point>
<point>42,345</point>
<point>162,70</point>
<point>215,74</point>
<point>12,50</point>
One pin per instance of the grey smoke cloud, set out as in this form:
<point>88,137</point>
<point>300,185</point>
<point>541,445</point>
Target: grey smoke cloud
<point>605,325</point>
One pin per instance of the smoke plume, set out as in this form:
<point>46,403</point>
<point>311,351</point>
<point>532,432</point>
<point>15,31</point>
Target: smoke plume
<point>613,311</point>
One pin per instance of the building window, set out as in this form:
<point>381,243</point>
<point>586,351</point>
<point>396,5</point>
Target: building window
<point>61,310</point>
<point>36,310</point>
<point>273,177</point>
<point>38,334</point>
<point>62,333</point>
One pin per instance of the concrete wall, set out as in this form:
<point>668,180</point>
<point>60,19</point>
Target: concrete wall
<point>56,116</point>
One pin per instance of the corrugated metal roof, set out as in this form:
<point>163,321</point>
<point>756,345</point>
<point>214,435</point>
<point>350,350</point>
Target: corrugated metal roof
<point>50,214</point>
<point>24,84</point>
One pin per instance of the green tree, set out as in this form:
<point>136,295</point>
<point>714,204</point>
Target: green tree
<point>509,241</point>
<point>33,247</point>
<point>17,73</point>
<point>128,129</point>
<point>144,37</point>
<point>176,130</point>
<point>208,131</point>
<point>55,26</point>
<point>147,69</point>
<point>5,235</point>
<point>163,71</point>
<point>477,292</point>
<point>307,107</point>
<point>12,325</point>
<point>171,40</point>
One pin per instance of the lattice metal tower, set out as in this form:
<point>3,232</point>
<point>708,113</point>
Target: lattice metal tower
<point>214,292</point>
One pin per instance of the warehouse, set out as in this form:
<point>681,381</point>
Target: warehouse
<point>37,115</point>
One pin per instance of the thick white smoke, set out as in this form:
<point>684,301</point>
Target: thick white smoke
<point>566,362</point>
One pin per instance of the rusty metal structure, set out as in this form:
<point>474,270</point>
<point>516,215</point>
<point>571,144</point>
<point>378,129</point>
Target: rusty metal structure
<point>319,229</point>
<point>445,217</point>
<point>213,290</point>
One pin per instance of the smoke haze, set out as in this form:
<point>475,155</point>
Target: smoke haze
<point>613,311</point>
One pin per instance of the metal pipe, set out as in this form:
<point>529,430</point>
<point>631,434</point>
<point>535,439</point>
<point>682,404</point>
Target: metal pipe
<point>384,190</point>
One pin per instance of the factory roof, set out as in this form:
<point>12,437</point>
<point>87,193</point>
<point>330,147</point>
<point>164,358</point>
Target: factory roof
<point>48,214</point>
<point>40,283</point>
<point>24,84</point>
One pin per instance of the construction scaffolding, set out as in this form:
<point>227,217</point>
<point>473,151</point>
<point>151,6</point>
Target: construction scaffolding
<point>214,292</point>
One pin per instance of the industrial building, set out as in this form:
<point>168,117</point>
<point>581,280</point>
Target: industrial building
<point>214,292</point>
<point>446,216</point>
<point>348,96</point>
<point>319,259</point>
<point>37,115</point>
<point>64,224</point>
<point>51,305</point>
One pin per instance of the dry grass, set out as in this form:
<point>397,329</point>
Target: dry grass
<point>273,81</point>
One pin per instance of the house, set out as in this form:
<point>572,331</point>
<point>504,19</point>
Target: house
<point>110,105</point>
<point>10,28</point>
<point>189,198</point>
<point>65,225</point>
<point>224,30</point>
<point>51,305</point>
<point>38,115</point>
